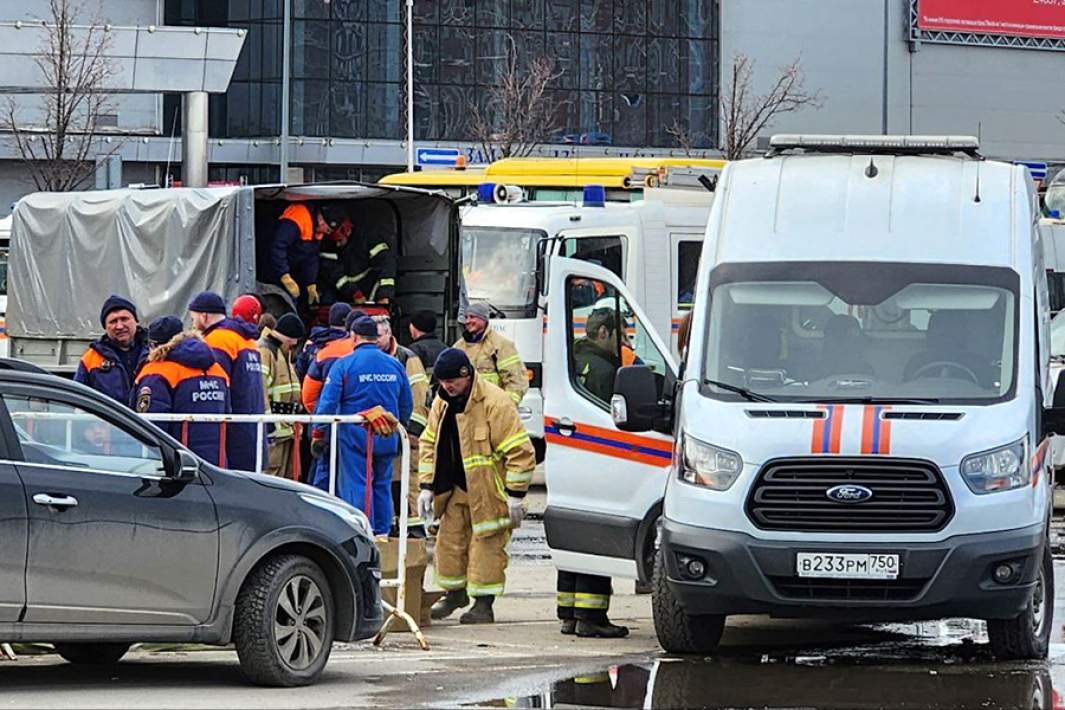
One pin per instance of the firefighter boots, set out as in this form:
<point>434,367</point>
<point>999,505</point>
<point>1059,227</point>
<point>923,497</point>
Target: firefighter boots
<point>448,604</point>
<point>480,613</point>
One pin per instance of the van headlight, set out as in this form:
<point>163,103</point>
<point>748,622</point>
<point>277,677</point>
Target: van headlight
<point>350,515</point>
<point>1001,469</point>
<point>702,464</point>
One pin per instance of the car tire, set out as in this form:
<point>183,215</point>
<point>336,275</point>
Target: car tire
<point>1027,636</point>
<point>284,622</point>
<point>679,632</point>
<point>92,654</point>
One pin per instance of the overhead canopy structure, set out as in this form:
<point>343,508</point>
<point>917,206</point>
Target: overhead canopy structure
<point>145,59</point>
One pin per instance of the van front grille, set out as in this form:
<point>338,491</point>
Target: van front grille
<point>906,496</point>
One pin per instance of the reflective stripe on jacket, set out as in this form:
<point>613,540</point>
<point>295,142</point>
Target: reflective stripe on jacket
<point>496,452</point>
<point>281,387</point>
<point>496,360</point>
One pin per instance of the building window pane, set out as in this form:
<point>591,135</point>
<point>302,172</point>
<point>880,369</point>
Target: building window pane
<point>491,56</point>
<point>563,16</point>
<point>384,11</point>
<point>272,42</point>
<point>491,13</point>
<point>528,47</point>
<point>457,12</point>
<point>347,118</point>
<point>595,15</point>
<point>426,112</point>
<point>346,10</point>
<point>349,51</point>
<point>564,48</point>
<point>457,55</point>
<point>454,108</point>
<point>596,61</point>
<point>662,19</point>
<point>527,14</point>
<point>384,115</point>
<point>630,119</point>
<point>426,52</point>
<point>314,9</point>
<point>630,16</point>
<point>696,68</point>
<point>385,47</point>
<point>667,113</point>
<point>630,63</point>
<point>310,108</point>
<point>310,49</point>
<point>597,116</point>
<point>696,17</point>
<point>271,122</point>
<point>237,109</point>
<point>663,64</point>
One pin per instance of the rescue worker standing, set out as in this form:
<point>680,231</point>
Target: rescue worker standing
<point>419,390</point>
<point>235,349</point>
<point>182,377</point>
<point>370,383</point>
<point>110,364</point>
<point>475,465</point>
<point>369,259</point>
<point>281,388</point>
<point>297,241</point>
<point>424,342</point>
<point>583,599</point>
<point>493,356</point>
<point>322,335</point>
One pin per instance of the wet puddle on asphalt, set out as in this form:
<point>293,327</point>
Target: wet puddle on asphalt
<point>941,664</point>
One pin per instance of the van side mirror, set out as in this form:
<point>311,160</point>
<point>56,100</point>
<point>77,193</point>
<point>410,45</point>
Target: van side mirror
<point>636,405</point>
<point>186,467</point>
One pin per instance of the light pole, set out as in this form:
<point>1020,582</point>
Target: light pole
<point>286,58</point>
<point>410,86</point>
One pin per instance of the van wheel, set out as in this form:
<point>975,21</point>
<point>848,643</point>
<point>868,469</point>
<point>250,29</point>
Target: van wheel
<point>679,632</point>
<point>283,628</point>
<point>1027,636</point>
<point>92,654</point>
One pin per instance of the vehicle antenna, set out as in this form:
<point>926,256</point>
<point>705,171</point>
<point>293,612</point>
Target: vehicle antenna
<point>979,131</point>
<point>871,171</point>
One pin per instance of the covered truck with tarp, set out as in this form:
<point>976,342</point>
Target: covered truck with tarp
<point>159,247</point>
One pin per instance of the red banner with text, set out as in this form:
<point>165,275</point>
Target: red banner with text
<point>1020,18</point>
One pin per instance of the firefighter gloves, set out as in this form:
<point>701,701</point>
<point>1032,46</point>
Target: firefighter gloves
<point>290,285</point>
<point>516,510</point>
<point>425,506</point>
<point>381,421</point>
<point>312,295</point>
<point>318,443</point>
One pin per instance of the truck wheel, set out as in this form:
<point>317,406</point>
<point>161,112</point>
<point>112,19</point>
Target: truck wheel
<point>677,631</point>
<point>283,628</point>
<point>1027,636</point>
<point>92,654</point>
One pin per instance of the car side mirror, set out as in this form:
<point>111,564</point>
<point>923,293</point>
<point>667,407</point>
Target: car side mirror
<point>187,467</point>
<point>636,404</point>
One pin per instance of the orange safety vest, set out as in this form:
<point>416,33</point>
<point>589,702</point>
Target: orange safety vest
<point>300,215</point>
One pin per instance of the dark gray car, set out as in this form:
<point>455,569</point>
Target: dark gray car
<point>115,534</point>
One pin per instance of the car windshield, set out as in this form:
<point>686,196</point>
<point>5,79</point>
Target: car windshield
<point>862,332</point>
<point>1055,195</point>
<point>1057,336</point>
<point>499,265</point>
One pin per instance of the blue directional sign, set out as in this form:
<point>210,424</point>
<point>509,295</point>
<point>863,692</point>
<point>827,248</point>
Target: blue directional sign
<point>1036,168</point>
<point>436,156</point>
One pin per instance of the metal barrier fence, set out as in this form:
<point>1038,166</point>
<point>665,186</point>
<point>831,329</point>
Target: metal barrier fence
<point>395,613</point>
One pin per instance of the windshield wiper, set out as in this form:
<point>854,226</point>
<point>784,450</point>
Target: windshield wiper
<point>741,391</point>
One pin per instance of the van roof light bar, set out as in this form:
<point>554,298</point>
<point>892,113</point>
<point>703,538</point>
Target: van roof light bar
<point>875,144</point>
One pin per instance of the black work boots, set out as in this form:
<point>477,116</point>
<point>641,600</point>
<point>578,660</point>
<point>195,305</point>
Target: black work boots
<point>449,604</point>
<point>481,613</point>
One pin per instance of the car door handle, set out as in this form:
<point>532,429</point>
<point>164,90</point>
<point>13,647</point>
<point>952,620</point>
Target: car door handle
<point>565,426</point>
<point>55,501</point>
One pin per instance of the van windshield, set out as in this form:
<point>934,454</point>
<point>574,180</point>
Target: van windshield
<point>499,266</point>
<point>862,332</point>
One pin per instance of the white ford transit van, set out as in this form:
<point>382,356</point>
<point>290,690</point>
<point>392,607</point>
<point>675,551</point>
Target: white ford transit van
<point>860,424</point>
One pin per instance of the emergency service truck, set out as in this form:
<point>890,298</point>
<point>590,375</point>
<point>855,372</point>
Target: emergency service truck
<point>859,431</point>
<point>653,245</point>
<point>159,247</point>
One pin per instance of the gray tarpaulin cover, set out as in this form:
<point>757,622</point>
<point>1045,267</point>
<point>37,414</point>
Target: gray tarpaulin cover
<point>70,251</point>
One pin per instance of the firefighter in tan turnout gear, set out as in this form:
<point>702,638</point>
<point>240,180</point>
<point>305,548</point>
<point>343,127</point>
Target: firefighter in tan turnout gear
<point>494,357</point>
<point>476,462</point>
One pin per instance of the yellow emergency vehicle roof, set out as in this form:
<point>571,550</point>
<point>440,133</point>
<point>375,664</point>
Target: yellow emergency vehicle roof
<point>550,172</point>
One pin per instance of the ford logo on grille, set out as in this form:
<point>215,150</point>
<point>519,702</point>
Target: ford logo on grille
<point>849,493</point>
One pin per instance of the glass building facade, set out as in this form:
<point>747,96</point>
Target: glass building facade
<point>627,71</point>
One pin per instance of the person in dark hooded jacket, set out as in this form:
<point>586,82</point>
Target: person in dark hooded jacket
<point>320,336</point>
<point>236,350</point>
<point>182,377</point>
<point>110,364</point>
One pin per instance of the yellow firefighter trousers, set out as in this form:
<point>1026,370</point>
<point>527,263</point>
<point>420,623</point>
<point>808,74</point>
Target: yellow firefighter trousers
<point>279,460</point>
<point>462,561</point>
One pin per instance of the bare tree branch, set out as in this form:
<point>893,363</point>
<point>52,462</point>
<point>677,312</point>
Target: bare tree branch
<point>516,116</point>
<point>61,148</point>
<point>746,114</point>
<point>682,136</point>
